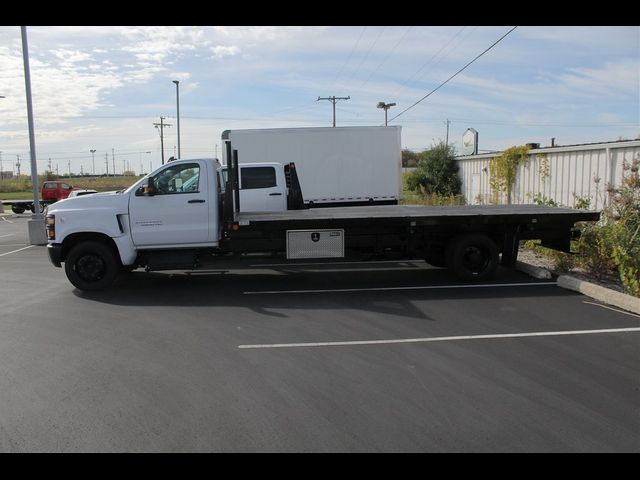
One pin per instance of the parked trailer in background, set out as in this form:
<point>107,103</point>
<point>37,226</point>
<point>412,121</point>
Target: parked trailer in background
<point>337,166</point>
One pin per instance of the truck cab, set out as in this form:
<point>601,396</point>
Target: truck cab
<point>263,187</point>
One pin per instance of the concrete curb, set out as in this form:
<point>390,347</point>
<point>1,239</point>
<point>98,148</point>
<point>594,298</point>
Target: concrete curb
<point>597,292</point>
<point>603,294</point>
<point>536,272</point>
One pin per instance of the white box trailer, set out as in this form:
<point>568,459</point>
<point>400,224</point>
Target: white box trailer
<point>335,165</point>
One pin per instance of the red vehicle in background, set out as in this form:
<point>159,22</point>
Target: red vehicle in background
<point>54,191</point>
<point>51,192</point>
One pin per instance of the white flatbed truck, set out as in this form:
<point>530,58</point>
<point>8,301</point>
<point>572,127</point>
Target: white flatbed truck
<point>182,217</point>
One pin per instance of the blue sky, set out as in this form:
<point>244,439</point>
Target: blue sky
<point>103,87</point>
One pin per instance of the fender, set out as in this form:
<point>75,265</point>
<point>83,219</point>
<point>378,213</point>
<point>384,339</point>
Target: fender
<point>98,214</point>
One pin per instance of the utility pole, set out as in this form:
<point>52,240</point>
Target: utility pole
<point>1,174</point>
<point>18,164</point>
<point>333,100</point>
<point>49,165</point>
<point>160,126</point>
<point>69,165</point>
<point>447,123</point>
<point>113,161</point>
<point>106,162</point>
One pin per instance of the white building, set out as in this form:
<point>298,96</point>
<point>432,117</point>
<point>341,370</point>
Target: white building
<point>561,174</point>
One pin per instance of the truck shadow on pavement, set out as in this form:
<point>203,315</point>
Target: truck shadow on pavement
<point>388,291</point>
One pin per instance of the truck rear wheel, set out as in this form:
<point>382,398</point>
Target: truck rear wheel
<point>91,266</point>
<point>473,257</point>
<point>17,209</point>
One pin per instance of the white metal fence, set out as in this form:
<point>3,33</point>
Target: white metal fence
<point>561,174</point>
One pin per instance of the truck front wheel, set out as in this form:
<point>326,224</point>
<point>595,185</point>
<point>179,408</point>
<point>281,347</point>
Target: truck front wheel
<point>91,266</point>
<point>473,257</point>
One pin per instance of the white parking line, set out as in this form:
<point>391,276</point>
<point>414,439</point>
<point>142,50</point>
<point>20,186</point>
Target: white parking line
<point>610,308</point>
<point>377,289</point>
<point>15,251</point>
<point>5,220</point>
<point>443,339</point>
<point>7,235</point>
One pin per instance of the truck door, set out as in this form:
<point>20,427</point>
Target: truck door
<point>176,212</point>
<point>262,189</point>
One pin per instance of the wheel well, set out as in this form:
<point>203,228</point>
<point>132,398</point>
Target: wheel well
<point>75,238</point>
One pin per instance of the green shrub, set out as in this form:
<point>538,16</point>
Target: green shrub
<point>540,199</point>
<point>613,244</point>
<point>436,173</point>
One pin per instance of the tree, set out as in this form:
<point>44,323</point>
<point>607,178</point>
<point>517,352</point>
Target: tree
<point>409,158</point>
<point>437,172</point>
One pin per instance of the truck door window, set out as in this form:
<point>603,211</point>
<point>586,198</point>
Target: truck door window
<point>183,178</point>
<point>257,177</point>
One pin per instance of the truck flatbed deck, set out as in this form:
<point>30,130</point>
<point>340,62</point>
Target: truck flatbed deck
<point>420,214</point>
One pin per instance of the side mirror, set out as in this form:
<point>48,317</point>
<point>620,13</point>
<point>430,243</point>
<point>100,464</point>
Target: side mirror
<point>147,190</point>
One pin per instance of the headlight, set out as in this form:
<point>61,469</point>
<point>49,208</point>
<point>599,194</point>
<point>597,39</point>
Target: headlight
<point>50,227</point>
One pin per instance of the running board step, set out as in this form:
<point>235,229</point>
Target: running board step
<point>172,260</point>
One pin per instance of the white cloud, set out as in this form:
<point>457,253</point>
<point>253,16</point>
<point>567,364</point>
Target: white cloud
<point>221,51</point>
<point>620,77</point>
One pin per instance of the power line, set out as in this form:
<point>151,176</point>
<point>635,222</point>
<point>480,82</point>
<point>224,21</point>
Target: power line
<point>428,62</point>
<point>455,74</point>
<point>350,55</point>
<point>386,58</point>
<point>366,56</point>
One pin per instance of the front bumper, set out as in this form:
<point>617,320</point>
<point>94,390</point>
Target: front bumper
<point>55,253</point>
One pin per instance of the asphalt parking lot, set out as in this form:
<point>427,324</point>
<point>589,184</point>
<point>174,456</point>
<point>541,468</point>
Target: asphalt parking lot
<point>396,357</point>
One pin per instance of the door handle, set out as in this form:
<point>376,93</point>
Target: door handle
<point>274,194</point>
<point>196,201</point>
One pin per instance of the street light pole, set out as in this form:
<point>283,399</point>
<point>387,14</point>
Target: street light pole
<point>37,235</point>
<point>178,112</point>
<point>385,107</point>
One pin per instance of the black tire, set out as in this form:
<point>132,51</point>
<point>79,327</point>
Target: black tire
<point>17,209</point>
<point>32,207</point>
<point>91,266</point>
<point>473,257</point>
